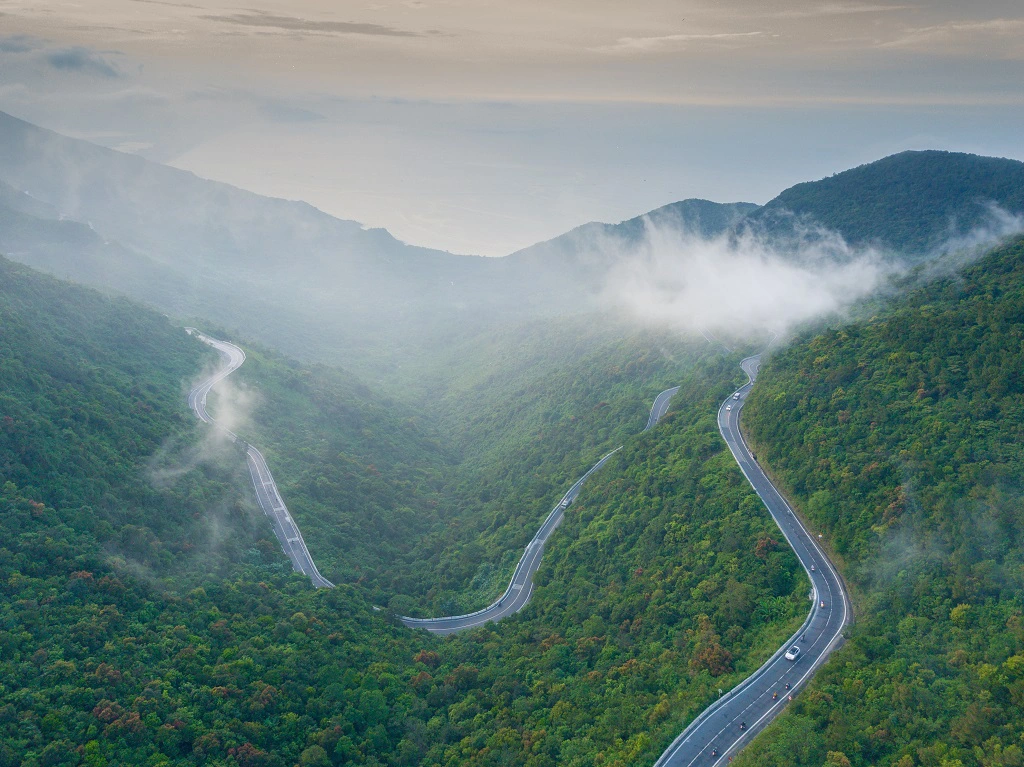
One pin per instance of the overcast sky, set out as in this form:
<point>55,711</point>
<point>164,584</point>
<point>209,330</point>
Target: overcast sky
<point>482,127</point>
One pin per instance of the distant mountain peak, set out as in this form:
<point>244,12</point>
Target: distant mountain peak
<point>909,203</point>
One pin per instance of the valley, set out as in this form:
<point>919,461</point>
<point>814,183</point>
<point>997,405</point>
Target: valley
<point>424,415</point>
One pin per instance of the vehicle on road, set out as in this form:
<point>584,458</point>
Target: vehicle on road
<point>793,653</point>
<point>728,407</point>
<point>736,395</point>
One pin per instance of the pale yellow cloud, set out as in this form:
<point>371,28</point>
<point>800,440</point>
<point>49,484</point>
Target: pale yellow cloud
<point>837,9</point>
<point>1002,38</point>
<point>659,43</point>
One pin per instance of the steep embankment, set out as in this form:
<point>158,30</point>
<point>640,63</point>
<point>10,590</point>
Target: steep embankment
<point>901,437</point>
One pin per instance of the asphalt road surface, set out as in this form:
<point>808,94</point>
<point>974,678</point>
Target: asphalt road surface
<point>520,588</point>
<point>734,719</point>
<point>262,480</point>
<point>660,406</point>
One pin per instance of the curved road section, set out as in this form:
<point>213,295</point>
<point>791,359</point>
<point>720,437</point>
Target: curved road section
<point>262,480</point>
<point>734,719</point>
<point>520,588</point>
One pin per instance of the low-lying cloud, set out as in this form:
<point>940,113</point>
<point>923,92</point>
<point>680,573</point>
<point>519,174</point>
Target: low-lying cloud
<point>232,407</point>
<point>997,224</point>
<point>739,284</point>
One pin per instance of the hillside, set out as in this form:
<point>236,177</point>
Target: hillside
<point>911,203</point>
<point>148,617</point>
<point>430,511</point>
<point>92,423</point>
<point>900,437</point>
<point>583,256</point>
<point>318,288</point>
<point>283,272</point>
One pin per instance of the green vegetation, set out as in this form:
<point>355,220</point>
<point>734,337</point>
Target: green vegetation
<point>665,582</point>
<point>91,422</point>
<point>901,437</point>
<point>910,202</point>
<point>147,613</point>
<point>431,509</point>
<point>363,475</point>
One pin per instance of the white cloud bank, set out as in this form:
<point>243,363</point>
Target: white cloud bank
<point>741,284</point>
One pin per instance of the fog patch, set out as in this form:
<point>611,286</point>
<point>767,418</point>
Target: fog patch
<point>740,283</point>
<point>231,406</point>
<point>961,248</point>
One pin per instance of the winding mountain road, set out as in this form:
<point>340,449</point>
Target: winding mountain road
<point>520,588</point>
<point>732,721</point>
<point>262,480</point>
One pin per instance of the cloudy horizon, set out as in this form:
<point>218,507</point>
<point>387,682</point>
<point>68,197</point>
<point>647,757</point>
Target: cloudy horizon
<point>480,128</point>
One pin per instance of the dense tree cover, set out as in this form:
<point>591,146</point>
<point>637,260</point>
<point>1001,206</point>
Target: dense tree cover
<point>910,202</point>
<point>91,422</point>
<point>524,436</point>
<point>430,509</point>
<point>668,579</point>
<point>654,598</point>
<point>665,583</point>
<point>901,438</point>
<point>363,475</point>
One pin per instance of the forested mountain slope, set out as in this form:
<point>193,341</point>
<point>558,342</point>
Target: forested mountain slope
<point>911,203</point>
<point>91,422</point>
<point>901,438</point>
<point>128,639</point>
<point>319,288</point>
<point>582,258</point>
<point>430,512</point>
<point>291,275</point>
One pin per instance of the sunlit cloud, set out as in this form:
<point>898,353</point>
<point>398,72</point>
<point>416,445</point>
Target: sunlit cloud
<point>741,284</point>
<point>838,9</point>
<point>675,42</point>
<point>293,24</point>
<point>991,38</point>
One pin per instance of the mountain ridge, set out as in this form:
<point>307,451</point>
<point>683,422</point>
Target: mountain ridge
<point>326,289</point>
<point>910,202</point>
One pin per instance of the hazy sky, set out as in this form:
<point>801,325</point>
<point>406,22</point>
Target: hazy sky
<point>485,126</point>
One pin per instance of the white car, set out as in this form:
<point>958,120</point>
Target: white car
<point>728,407</point>
<point>793,653</point>
<point>736,395</point>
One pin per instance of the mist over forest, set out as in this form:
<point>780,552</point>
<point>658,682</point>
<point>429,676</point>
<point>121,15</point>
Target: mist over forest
<point>324,289</point>
<point>424,413</point>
